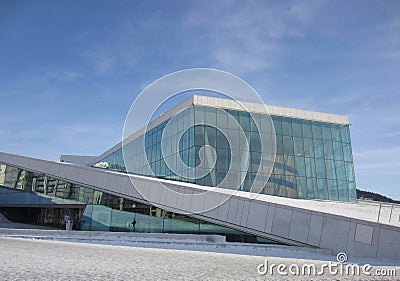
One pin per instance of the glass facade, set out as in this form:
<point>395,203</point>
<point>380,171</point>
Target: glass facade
<point>313,159</point>
<point>107,212</point>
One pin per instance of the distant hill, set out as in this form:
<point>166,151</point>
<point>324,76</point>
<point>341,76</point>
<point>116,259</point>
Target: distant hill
<point>368,195</point>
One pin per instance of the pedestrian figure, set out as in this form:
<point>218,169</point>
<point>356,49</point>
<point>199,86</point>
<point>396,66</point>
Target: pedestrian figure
<point>134,224</point>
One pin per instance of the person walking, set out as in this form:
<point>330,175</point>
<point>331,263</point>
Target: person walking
<point>134,224</point>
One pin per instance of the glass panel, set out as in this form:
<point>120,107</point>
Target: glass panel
<point>308,148</point>
<point>277,121</point>
<point>317,130</point>
<point>322,189</point>
<point>186,116</point>
<point>347,152</point>
<point>310,167</point>
<point>222,119</point>
<point>302,187</point>
<point>255,142</point>
<point>222,141</point>
<point>300,167</point>
<point>289,165</point>
<point>244,121</point>
<point>199,135</point>
<point>211,115</point>
<point>180,123</point>
<point>267,127</point>
<point>326,132</point>
<point>184,157</point>
<point>330,169</point>
<point>312,187</point>
<point>191,136</point>
<point>176,223</point>
<point>286,127</point>
<point>343,191</point>
<point>352,192</point>
<point>254,118</point>
<point>199,114</point>
<point>220,175</point>
<point>345,133</point>
<point>298,146</point>
<point>349,171</point>
<point>174,125</point>
<point>234,140</point>
<point>336,134</point>
<point>210,136</point>
<point>223,159</point>
<point>333,190</point>
<point>340,170</point>
<point>328,150</point>
<point>318,149</point>
<point>320,168</point>
<point>296,127</point>
<point>307,130</point>
<point>231,121</point>
<point>288,145</point>
<point>279,165</point>
<point>338,151</point>
<point>279,144</point>
<point>255,159</point>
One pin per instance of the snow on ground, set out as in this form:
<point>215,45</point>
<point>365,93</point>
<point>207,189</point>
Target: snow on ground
<point>31,259</point>
<point>183,242</point>
<point>38,254</point>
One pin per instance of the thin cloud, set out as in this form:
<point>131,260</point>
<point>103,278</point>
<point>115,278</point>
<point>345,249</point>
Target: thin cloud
<point>247,38</point>
<point>101,59</point>
<point>382,161</point>
<point>74,75</point>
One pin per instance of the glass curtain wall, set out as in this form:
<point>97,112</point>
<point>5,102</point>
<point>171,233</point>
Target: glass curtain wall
<point>313,159</point>
<point>107,212</point>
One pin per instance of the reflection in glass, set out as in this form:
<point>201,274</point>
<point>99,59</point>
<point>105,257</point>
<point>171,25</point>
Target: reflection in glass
<point>311,157</point>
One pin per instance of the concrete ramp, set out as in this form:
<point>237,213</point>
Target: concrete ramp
<point>360,230</point>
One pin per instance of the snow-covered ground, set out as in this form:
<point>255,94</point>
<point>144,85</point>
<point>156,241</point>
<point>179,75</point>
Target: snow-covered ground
<point>48,254</point>
<point>32,259</point>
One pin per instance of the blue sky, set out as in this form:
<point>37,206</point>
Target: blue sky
<point>69,70</point>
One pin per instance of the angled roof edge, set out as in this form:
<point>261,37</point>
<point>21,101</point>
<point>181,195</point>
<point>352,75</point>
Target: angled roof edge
<point>272,109</point>
<point>231,104</point>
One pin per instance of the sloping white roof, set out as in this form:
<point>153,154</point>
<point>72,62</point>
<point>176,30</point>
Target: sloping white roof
<point>272,109</point>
